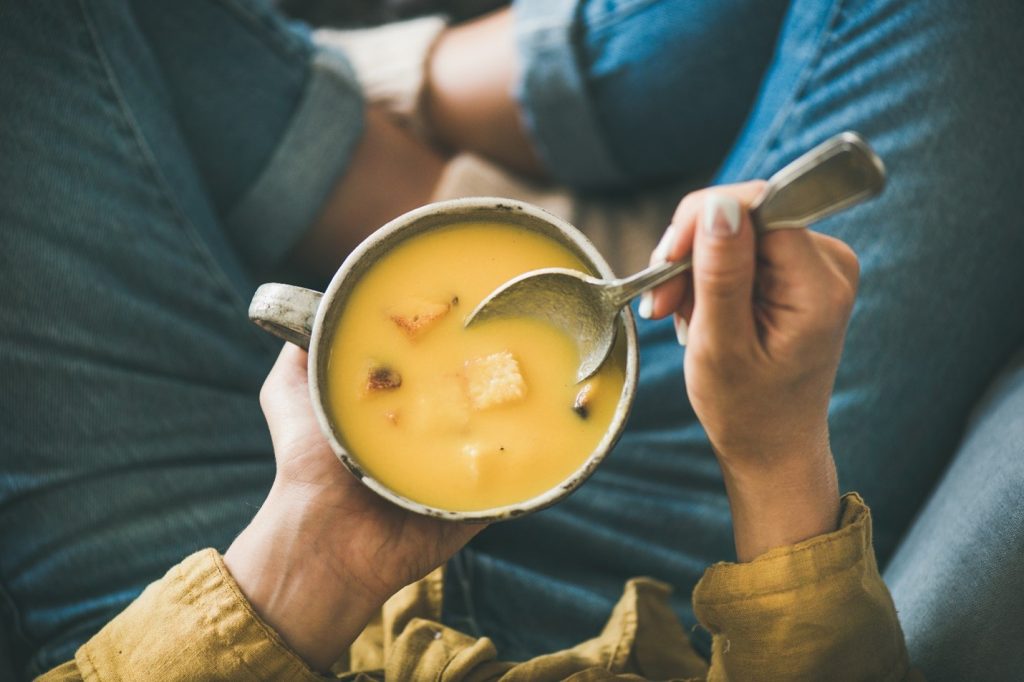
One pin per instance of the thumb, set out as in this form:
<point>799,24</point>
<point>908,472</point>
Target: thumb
<point>285,399</point>
<point>723,271</point>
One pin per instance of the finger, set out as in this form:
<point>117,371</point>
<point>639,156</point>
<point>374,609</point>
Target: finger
<point>684,311</point>
<point>791,264</point>
<point>802,266</point>
<point>840,255</point>
<point>287,375</point>
<point>807,282</point>
<point>690,208</point>
<point>723,271</point>
<point>684,303</point>
<point>841,261</point>
<point>668,296</point>
<point>657,303</point>
<point>285,395</point>
<point>682,326</point>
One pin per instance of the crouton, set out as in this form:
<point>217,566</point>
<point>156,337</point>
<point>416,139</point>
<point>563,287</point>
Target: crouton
<point>382,378</point>
<point>493,380</point>
<point>416,315</point>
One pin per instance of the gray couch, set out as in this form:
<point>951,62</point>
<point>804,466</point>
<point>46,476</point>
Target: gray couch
<point>958,575</point>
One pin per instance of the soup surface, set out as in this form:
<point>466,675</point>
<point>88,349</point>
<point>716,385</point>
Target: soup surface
<point>459,419</point>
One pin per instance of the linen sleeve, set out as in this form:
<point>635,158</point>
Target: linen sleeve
<point>811,611</point>
<point>192,624</point>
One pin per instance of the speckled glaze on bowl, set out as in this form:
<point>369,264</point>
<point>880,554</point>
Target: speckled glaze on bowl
<point>310,319</point>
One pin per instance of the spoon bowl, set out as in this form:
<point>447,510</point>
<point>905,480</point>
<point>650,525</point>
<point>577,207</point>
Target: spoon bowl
<point>575,303</point>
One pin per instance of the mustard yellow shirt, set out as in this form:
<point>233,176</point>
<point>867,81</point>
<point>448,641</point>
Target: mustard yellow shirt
<point>817,610</point>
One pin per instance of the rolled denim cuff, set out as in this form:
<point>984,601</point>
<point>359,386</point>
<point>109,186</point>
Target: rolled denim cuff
<point>284,201</point>
<point>553,98</point>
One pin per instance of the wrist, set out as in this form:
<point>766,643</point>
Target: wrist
<point>289,563</point>
<point>781,503</point>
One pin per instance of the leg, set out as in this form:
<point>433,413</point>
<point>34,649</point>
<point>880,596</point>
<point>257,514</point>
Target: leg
<point>923,343</point>
<point>468,92</point>
<point>263,183</point>
<point>680,61</point>
<point>149,179</point>
<point>936,315</point>
<point>132,434</point>
<point>391,172</point>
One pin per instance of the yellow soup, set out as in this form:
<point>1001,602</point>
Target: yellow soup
<point>458,419</point>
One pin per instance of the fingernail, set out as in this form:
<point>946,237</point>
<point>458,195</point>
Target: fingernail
<point>721,216</point>
<point>660,253</point>
<point>646,307</point>
<point>682,330</point>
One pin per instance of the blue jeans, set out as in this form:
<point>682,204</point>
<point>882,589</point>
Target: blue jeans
<point>156,163</point>
<point>618,94</point>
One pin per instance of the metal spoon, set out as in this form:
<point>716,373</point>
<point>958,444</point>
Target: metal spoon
<point>837,174</point>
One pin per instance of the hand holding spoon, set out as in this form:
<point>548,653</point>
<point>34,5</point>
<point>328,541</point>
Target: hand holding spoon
<point>840,172</point>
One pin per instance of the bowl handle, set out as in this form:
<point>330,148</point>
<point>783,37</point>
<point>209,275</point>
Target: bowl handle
<point>285,311</point>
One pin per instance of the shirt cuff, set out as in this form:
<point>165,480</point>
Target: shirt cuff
<point>805,612</point>
<point>194,623</point>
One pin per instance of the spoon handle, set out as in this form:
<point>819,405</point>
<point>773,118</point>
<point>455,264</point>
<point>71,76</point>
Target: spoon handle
<point>835,175</point>
<point>840,172</point>
<point>622,291</point>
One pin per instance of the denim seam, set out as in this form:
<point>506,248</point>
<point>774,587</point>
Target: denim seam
<point>150,165</point>
<point>782,117</point>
